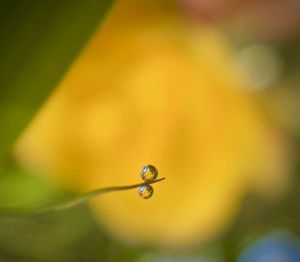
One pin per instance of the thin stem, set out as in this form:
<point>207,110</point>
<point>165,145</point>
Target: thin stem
<point>75,201</point>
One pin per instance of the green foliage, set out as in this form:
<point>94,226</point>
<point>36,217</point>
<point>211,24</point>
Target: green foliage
<point>39,41</point>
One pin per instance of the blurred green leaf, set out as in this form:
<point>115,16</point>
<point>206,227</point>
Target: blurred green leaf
<point>39,41</point>
<point>18,188</point>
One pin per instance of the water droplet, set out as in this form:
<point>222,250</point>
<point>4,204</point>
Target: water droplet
<point>149,173</point>
<point>145,191</point>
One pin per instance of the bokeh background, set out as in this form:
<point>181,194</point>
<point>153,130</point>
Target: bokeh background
<point>205,90</point>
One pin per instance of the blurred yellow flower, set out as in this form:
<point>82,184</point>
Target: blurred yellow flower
<point>152,89</point>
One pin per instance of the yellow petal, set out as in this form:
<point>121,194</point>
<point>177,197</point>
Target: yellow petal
<point>162,92</point>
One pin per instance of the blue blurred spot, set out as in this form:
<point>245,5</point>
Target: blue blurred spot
<point>280,246</point>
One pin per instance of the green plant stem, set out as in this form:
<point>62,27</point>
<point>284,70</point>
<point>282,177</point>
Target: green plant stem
<point>72,202</point>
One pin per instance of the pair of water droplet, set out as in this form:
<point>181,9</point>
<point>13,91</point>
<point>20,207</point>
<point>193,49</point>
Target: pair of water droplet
<point>148,174</point>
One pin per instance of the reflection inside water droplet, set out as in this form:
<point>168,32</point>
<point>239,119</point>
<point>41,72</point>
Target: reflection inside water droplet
<point>149,173</point>
<point>145,191</point>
